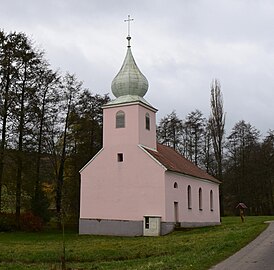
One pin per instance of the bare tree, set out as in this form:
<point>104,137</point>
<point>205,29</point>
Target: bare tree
<point>194,128</point>
<point>169,131</point>
<point>27,61</point>
<point>72,89</point>
<point>47,82</point>
<point>7,74</point>
<point>243,169</point>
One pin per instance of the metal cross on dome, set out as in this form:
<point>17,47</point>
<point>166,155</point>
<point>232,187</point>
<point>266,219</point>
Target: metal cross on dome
<point>128,24</point>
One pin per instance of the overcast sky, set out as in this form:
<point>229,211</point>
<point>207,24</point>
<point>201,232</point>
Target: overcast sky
<point>179,45</point>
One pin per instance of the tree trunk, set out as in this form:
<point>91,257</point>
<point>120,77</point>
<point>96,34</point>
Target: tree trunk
<point>38,158</point>
<point>3,137</point>
<point>20,148</point>
<point>60,178</point>
<point>2,153</point>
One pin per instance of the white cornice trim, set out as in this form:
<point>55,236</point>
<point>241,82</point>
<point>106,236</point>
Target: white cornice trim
<point>157,161</point>
<point>194,177</point>
<point>97,154</point>
<point>129,104</point>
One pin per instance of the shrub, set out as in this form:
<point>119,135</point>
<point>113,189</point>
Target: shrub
<point>30,223</point>
<point>7,222</point>
<point>40,205</point>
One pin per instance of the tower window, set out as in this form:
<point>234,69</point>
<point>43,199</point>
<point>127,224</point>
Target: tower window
<point>120,119</point>
<point>175,185</point>
<point>147,121</point>
<point>120,157</point>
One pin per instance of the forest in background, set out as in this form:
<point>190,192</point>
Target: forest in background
<point>243,160</point>
<point>51,127</point>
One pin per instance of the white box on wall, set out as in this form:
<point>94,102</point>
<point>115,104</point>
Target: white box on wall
<point>152,225</point>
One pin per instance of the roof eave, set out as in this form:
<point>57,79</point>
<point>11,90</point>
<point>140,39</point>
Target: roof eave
<point>130,103</point>
<point>151,156</point>
<point>196,177</point>
<point>80,171</point>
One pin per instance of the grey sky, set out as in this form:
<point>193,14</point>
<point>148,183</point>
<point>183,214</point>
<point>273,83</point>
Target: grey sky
<point>179,45</point>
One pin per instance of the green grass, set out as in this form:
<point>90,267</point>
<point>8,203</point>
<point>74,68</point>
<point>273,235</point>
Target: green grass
<point>198,248</point>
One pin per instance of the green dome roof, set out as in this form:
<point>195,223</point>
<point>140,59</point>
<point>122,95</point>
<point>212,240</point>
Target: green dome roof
<point>129,80</point>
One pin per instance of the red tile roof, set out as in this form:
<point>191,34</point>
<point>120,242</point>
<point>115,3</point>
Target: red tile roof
<point>175,162</point>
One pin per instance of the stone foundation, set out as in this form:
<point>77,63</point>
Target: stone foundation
<point>129,227</point>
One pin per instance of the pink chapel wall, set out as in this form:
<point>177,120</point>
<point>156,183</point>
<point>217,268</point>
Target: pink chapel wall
<point>134,132</point>
<point>125,190</point>
<point>130,189</point>
<point>138,186</point>
<point>193,215</point>
<point>147,137</point>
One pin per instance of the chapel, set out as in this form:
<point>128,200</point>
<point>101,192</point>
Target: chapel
<point>134,186</point>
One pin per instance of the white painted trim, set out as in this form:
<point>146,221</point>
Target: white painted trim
<point>97,154</point>
<point>194,177</point>
<point>169,171</point>
<point>146,147</point>
<point>128,104</point>
<point>157,161</point>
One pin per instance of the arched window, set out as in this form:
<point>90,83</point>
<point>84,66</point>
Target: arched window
<point>147,121</point>
<point>189,197</point>
<point>175,185</point>
<point>200,199</point>
<point>120,119</point>
<point>211,200</point>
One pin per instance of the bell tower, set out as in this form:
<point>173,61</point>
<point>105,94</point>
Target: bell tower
<point>129,119</point>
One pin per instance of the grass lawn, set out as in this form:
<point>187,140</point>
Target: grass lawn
<point>198,248</point>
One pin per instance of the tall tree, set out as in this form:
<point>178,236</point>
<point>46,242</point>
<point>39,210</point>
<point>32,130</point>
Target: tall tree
<point>194,127</point>
<point>27,62</point>
<point>42,120</point>
<point>207,156</point>
<point>85,133</point>
<point>7,76</point>
<point>217,128</point>
<point>242,151</point>
<point>71,90</point>
<point>84,140</point>
<point>169,131</point>
<point>217,124</point>
<point>46,95</point>
<point>267,160</point>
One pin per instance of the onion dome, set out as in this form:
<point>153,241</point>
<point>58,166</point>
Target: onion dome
<point>129,81</point>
